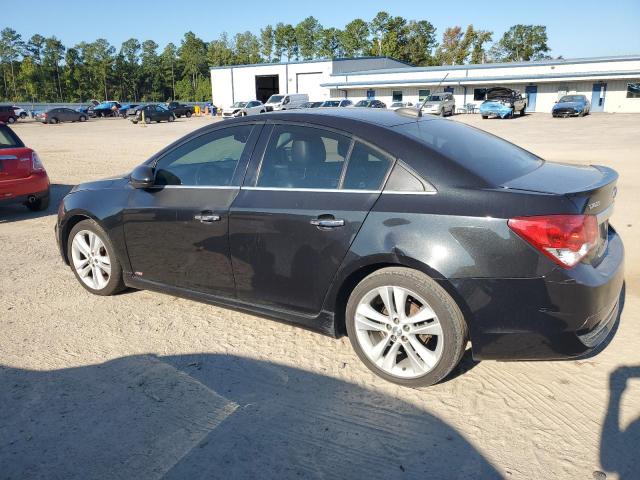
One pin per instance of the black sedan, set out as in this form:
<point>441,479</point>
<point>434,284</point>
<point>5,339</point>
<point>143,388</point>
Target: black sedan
<point>152,113</point>
<point>370,104</point>
<point>411,235</point>
<point>59,115</point>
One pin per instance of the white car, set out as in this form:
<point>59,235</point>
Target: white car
<point>20,112</point>
<point>242,109</point>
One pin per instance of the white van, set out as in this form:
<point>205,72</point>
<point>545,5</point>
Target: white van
<point>286,102</point>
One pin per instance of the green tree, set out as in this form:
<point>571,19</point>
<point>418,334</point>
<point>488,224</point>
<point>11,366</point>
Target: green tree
<point>130,68</point>
<point>448,51</point>
<point>421,40</point>
<point>52,55</point>
<point>378,27</point>
<point>247,48</point>
<point>285,41</point>
<point>266,42</point>
<point>330,43</point>
<point>152,71</point>
<point>168,60</point>
<point>193,57</point>
<point>478,51</point>
<point>11,47</point>
<point>307,34</point>
<point>74,76</point>
<point>220,53</point>
<point>355,38</point>
<point>29,78</point>
<point>522,43</point>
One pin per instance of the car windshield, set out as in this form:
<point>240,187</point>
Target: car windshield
<point>572,98</point>
<point>434,98</point>
<point>8,139</point>
<point>275,99</point>
<point>489,157</point>
<point>239,105</point>
<point>331,103</point>
<point>363,103</point>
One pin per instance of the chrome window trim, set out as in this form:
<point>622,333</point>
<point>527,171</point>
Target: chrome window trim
<point>408,192</point>
<point>313,190</point>
<point>200,187</point>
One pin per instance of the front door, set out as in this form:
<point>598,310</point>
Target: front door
<point>177,232</point>
<point>598,94</point>
<point>306,195</point>
<point>532,93</point>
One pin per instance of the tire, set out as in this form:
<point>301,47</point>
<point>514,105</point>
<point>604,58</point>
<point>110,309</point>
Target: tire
<point>135,122</point>
<point>53,121</point>
<point>444,321</point>
<point>442,112</point>
<point>522,112</point>
<point>11,120</point>
<point>484,117</point>
<point>39,205</point>
<point>188,114</point>
<point>115,282</point>
<point>83,118</point>
<point>23,115</point>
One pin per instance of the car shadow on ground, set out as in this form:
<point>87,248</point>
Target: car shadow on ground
<point>17,212</point>
<point>217,417</point>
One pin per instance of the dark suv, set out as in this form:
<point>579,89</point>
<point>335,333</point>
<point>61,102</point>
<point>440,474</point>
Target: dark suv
<point>8,114</point>
<point>411,235</point>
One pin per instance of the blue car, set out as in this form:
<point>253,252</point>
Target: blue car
<point>503,102</point>
<point>571,105</point>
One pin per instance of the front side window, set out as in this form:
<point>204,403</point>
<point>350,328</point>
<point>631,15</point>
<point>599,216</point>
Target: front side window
<point>208,160</point>
<point>367,168</point>
<point>303,157</point>
<point>397,95</point>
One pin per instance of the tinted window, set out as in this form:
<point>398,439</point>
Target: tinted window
<point>208,160</point>
<point>479,94</point>
<point>367,168</point>
<point>487,156</point>
<point>397,95</point>
<point>302,157</point>
<point>423,94</point>
<point>8,139</point>
<point>633,90</point>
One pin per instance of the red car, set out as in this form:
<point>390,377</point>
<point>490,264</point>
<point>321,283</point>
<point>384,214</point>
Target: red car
<point>23,178</point>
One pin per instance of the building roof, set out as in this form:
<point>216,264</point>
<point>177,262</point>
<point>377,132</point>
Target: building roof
<point>382,60</point>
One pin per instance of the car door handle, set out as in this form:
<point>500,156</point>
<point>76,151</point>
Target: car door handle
<point>207,217</point>
<point>327,223</point>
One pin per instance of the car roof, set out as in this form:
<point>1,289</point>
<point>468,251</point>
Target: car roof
<point>385,118</point>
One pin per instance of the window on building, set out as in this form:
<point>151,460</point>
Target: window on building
<point>423,94</point>
<point>633,90</point>
<point>397,95</point>
<point>479,94</point>
<point>371,94</point>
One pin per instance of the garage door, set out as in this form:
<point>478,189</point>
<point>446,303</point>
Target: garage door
<point>309,83</point>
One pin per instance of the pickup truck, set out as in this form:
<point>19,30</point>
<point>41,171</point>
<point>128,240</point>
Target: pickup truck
<point>180,109</point>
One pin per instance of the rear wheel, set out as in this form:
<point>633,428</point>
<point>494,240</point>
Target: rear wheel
<point>93,259</point>
<point>405,327</point>
<point>522,112</point>
<point>83,118</point>
<point>53,120</point>
<point>188,114</point>
<point>11,120</point>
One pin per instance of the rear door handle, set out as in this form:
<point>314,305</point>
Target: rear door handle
<point>207,217</point>
<point>327,223</point>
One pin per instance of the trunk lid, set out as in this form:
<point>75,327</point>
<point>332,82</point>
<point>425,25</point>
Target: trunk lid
<point>592,189</point>
<point>15,163</point>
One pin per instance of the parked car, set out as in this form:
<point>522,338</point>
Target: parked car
<point>152,113</point>
<point>311,105</point>
<point>20,112</point>
<point>571,105</point>
<point>105,109</point>
<point>23,178</point>
<point>503,102</point>
<point>440,103</point>
<point>180,109</point>
<point>336,102</point>
<point>370,104</point>
<point>59,115</point>
<point>410,234</point>
<point>397,105</point>
<point>8,114</point>
<point>242,109</point>
<point>286,102</point>
<point>88,109</point>
<point>126,108</point>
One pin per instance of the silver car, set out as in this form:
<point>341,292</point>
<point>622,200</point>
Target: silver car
<point>441,103</point>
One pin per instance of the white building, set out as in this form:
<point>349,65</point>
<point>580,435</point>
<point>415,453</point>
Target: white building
<point>612,84</point>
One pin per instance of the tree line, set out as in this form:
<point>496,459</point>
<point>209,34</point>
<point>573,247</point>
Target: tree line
<point>42,69</point>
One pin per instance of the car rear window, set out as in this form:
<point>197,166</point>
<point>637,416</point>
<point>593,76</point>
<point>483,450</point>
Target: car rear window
<point>489,157</point>
<point>8,139</point>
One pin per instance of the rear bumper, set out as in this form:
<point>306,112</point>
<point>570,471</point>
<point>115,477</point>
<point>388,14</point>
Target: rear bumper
<point>20,189</point>
<point>563,315</point>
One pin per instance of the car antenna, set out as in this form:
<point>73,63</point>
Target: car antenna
<point>437,87</point>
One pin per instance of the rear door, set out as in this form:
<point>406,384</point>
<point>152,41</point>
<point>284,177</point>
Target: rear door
<point>307,192</point>
<point>177,232</point>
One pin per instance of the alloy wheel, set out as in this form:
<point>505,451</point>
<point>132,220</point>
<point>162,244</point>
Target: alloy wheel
<point>399,332</point>
<point>91,259</point>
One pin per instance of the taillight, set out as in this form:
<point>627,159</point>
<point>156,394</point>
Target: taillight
<point>36,163</point>
<point>565,239</point>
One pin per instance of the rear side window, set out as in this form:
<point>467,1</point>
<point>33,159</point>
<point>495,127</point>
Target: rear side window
<point>207,160</point>
<point>8,139</point>
<point>303,157</point>
<point>367,168</point>
<point>494,160</point>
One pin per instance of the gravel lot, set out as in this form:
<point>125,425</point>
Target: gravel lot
<point>144,385</point>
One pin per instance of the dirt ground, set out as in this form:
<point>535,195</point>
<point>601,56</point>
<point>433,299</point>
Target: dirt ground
<point>144,385</point>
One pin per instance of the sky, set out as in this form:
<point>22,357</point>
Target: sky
<point>575,28</point>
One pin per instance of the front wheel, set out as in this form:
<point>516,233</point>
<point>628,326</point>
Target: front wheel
<point>83,118</point>
<point>11,120</point>
<point>23,115</point>
<point>93,259</point>
<point>405,327</point>
<point>188,114</point>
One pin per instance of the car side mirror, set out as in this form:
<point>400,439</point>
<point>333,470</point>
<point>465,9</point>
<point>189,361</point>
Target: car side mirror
<point>142,177</point>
